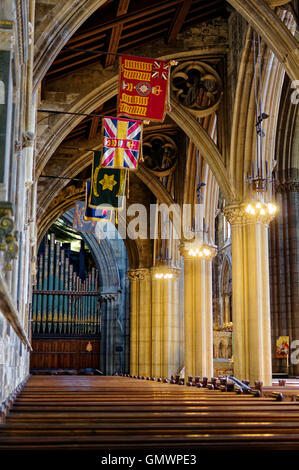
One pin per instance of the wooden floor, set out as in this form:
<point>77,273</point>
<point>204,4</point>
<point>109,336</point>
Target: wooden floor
<point>94,413</point>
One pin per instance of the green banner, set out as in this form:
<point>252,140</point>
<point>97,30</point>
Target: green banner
<point>107,185</point>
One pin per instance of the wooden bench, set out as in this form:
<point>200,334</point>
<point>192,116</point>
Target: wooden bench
<point>92,412</point>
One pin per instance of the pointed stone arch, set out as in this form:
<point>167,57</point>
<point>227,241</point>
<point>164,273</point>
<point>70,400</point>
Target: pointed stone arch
<point>275,34</point>
<point>56,28</point>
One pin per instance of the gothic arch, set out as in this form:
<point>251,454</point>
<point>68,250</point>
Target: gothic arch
<point>56,28</point>
<point>243,136</point>
<point>287,137</point>
<point>65,201</point>
<point>81,162</point>
<point>275,34</point>
<point>185,121</point>
<point>226,275</point>
<point>103,257</point>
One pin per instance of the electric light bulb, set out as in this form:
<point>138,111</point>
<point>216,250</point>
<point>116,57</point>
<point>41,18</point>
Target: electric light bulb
<point>262,212</point>
<point>272,208</point>
<point>258,205</point>
<point>248,208</point>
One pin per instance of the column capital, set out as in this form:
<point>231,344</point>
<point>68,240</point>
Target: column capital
<point>138,274</point>
<point>164,269</point>
<point>250,213</point>
<point>197,250</point>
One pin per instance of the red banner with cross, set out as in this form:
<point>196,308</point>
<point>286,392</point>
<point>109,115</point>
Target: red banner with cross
<point>143,88</point>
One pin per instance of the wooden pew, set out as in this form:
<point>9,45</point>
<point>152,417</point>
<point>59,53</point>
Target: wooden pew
<point>93,412</point>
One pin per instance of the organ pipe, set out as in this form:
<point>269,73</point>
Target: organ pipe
<point>63,303</point>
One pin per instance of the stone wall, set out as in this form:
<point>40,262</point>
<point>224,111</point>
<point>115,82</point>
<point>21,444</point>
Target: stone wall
<point>17,192</point>
<point>14,359</point>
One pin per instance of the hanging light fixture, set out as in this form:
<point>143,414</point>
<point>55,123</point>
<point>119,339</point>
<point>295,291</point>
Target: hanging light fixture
<point>260,180</point>
<point>203,251</point>
<point>164,269</point>
<point>201,247</point>
<point>165,275</point>
<point>261,208</point>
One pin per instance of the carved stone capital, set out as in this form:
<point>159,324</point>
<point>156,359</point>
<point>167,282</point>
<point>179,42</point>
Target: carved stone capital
<point>139,274</point>
<point>18,146</point>
<point>28,139</point>
<point>237,215</point>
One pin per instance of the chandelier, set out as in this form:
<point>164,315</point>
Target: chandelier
<point>202,251</point>
<point>261,208</point>
<point>167,275</point>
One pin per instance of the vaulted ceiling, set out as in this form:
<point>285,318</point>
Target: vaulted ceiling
<point>120,26</point>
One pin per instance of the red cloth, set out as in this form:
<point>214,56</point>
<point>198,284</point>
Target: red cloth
<point>143,88</point>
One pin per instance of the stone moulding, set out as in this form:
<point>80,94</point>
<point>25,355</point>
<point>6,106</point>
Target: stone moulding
<point>138,274</point>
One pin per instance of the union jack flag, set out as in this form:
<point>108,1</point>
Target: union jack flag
<point>122,140</point>
<point>160,70</point>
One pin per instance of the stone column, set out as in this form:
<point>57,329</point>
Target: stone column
<point>6,104</point>
<point>198,314</point>
<point>165,322</point>
<point>140,322</point>
<point>284,269</point>
<point>107,344</point>
<point>250,294</point>
<point>226,305</point>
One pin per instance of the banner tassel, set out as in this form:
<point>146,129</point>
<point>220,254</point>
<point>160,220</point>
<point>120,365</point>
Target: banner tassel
<point>128,185</point>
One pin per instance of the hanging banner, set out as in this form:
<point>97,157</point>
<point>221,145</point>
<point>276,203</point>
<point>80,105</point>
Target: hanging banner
<point>143,88</point>
<point>282,347</point>
<point>121,143</point>
<point>107,186</point>
<point>92,214</point>
<point>79,223</point>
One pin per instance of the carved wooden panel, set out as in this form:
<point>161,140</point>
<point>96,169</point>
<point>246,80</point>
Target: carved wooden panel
<point>65,354</point>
